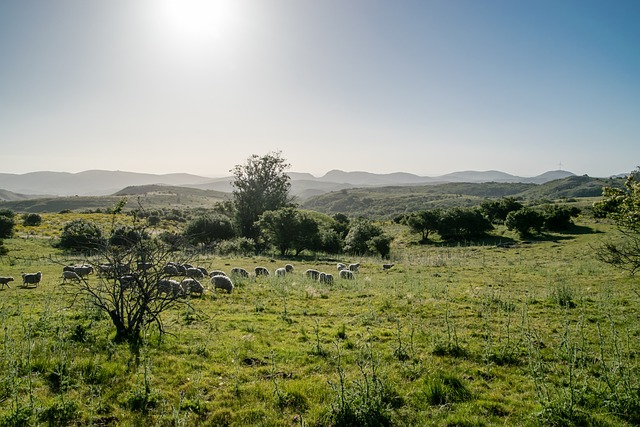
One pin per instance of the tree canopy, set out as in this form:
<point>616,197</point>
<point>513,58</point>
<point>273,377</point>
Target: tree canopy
<point>623,207</point>
<point>260,185</point>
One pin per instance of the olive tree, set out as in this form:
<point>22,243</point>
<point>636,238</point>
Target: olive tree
<point>623,207</point>
<point>260,185</point>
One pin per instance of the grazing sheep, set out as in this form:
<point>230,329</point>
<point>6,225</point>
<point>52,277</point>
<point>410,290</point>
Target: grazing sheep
<point>191,286</point>
<point>238,271</point>
<point>112,271</point>
<point>325,278</point>
<point>346,274</point>
<point>194,273</point>
<point>68,268</point>
<point>222,282</point>
<point>83,270</point>
<point>221,273</point>
<point>70,275</point>
<point>341,266</point>
<point>170,287</point>
<point>5,281</point>
<point>312,274</point>
<point>31,278</point>
<point>261,271</point>
<point>354,267</point>
<point>288,268</point>
<point>281,272</point>
<point>171,270</point>
<point>387,266</point>
<point>127,281</point>
<point>203,270</point>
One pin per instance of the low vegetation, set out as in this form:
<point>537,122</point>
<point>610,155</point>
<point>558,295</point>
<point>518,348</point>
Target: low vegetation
<point>538,333</point>
<point>440,328</point>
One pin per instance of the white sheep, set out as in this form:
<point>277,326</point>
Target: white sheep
<point>83,270</point>
<point>127,281</point>
<point>70,275</point>
<point>281,272</point>
<point>261,271</point>
<point>5,281</point>
<point>354,267</point>
<point>170,287</point>
<point>171,270</point>
<point>195,273</point>
<point>31,278</point>
<point>312,274</point>
<point>191,286</point>
<point>341,266</point>
<point>220,273</point>
<point>239,271</point>
<point>222,282</point>
<point>346,274</point>
<point>325,278</point>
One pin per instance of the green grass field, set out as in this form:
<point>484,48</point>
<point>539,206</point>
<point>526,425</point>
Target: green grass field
<point>538,333</point>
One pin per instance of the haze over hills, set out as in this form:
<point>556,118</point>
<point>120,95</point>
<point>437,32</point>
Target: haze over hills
<point>304,185</point>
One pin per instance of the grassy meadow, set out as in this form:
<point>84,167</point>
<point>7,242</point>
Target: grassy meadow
<point>523,333</point>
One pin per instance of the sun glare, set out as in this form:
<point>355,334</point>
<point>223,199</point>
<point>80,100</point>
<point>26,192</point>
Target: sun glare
<point>197,21</point>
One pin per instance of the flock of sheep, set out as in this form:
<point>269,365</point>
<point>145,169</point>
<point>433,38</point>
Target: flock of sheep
<point>28,279</point>
<point>191,276</point>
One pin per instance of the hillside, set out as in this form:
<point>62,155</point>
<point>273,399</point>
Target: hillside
<point>150,197</point>
<point>391,201</point>
<point>303,185</point>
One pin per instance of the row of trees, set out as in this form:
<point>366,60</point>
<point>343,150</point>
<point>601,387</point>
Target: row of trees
<point>469,223</point>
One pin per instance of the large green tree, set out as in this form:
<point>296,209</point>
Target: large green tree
<point>424,222</point>
<point>366,238</point>
<point>82,236</point>
<point>210,228</point>
<point>260,185</point>
<point>290,229</point>
<point>623,207</point>
<point>7,223</point>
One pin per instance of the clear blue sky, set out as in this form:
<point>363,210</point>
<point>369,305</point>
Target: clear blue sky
<point>425,86</point>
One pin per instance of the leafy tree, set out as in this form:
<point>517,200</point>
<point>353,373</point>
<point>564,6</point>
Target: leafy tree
<point>559,218</point>
<point>260,185</point>
<point>289,228</point>
<point>525,221</point>
<point>127,236</point>
<point>423,222</point>
<point>380,244</point>
<point>208,229</point>
<point>461,223</point>
<point>7,212</point>
<point>81,236</point>
<point>7,223</point>
<point>341,224</point>
<point>623,207</point>
<point>31,219</point>
<point>364,238</point>
<point>496,211</point>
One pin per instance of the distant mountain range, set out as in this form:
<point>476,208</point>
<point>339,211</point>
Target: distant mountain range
<point>304,185</point>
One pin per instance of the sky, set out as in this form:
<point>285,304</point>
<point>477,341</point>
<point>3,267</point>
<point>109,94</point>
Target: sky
<point>421,86</point>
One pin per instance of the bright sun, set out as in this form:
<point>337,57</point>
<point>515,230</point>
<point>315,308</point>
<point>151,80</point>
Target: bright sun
<point>198,21</point>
